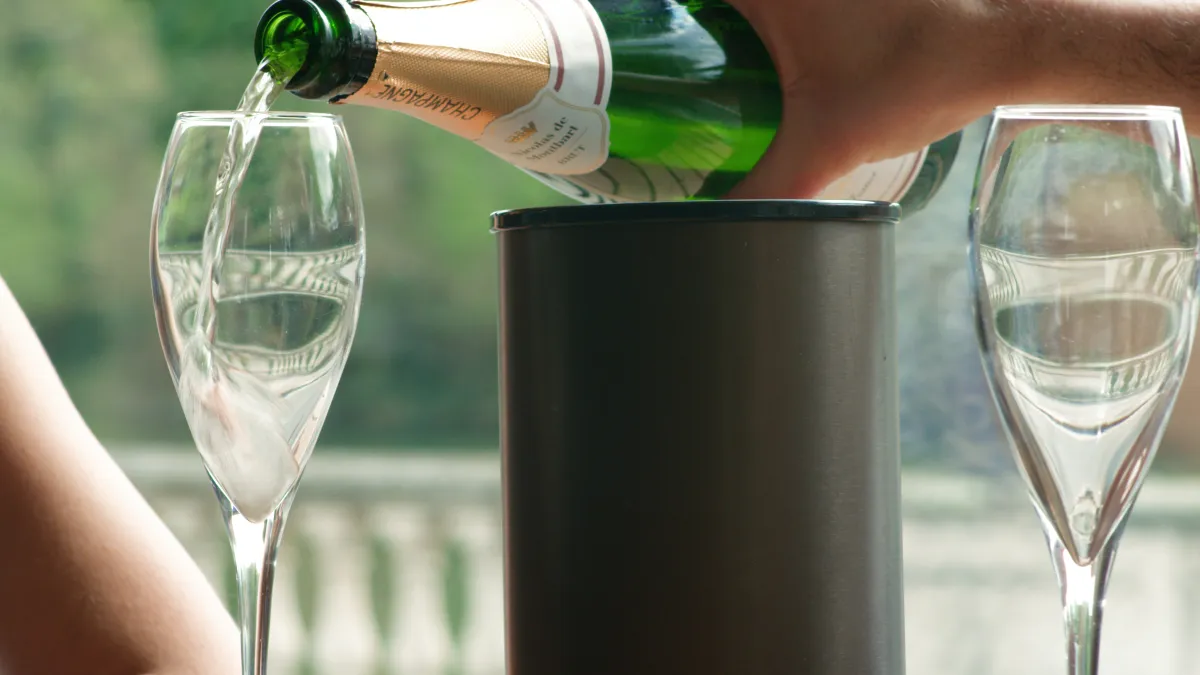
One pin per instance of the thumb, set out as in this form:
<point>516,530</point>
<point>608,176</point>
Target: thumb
<point>799,164</point>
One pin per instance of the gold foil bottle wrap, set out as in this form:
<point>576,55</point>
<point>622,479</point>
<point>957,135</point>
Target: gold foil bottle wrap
<point>457,64</point>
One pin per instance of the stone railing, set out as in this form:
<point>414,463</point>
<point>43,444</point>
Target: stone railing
<point>392,564</point>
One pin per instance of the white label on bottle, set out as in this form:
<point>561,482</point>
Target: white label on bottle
<point>885,181</point>
<point>564,130</point>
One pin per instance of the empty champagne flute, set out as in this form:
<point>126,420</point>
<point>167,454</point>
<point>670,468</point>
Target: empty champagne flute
<point>256,327</point>
<point>1083,256</point>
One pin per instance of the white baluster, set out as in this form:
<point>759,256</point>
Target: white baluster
<point>478,529</point>
<point>196,523</point>
<point>1185,614</point>
<point>288,637</point>
<point>1142,619</point>
<point>345,638</point>
<point>420,642</point>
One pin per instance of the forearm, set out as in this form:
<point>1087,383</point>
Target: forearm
<point>91,581</point>
<point>1096,51</point>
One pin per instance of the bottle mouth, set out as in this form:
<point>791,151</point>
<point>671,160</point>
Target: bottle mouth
<point>288,32</point>
<point>318,49</point>
<point>283,45</point>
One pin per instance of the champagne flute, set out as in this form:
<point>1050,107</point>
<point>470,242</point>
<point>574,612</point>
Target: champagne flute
<point>1083,256</point>
<point>256,337</point>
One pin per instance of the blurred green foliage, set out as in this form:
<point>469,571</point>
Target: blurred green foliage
<point>94,86</point>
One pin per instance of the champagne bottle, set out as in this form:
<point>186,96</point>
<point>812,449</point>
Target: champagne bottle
<point>603,100</point>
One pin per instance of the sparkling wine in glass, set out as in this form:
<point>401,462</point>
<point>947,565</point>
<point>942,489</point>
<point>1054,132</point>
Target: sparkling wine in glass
<point>257,261</point>
<point>1083,256</point>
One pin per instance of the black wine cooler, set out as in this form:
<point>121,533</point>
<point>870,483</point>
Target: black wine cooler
<point>699,436</point>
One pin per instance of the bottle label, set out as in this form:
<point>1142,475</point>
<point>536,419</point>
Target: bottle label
<point>528,80</point>
<point>885,181</point>
<point>564,130</point>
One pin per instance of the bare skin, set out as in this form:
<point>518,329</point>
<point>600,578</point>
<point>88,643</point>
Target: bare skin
<point>91,581</point>
<point>870,79</point>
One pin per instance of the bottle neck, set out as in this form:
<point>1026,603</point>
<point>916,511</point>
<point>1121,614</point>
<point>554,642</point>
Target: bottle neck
<point>456,64</point>
<point>323,49</point>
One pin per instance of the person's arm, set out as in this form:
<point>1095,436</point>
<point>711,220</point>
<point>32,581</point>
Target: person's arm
<point>871,79</point>
<point>91,581</point>
<point>1095,51</point>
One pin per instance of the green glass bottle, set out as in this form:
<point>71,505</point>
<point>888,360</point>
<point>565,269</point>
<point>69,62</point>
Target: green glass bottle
<point>604,100</point>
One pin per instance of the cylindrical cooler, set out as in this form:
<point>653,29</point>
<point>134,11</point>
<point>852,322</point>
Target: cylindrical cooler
<point>699,434</point>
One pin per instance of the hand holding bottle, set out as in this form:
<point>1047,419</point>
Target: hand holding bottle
<point>655,100</point>
<point>869,79</point>
<point>604,100</point>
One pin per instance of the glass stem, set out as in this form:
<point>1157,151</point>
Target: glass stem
<point>255,547</point>
<point>1083,590</point>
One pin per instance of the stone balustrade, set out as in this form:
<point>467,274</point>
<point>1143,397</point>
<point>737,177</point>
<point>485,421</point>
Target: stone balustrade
<point>392,564</point>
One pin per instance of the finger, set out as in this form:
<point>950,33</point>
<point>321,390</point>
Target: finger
<point>798,164</point>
